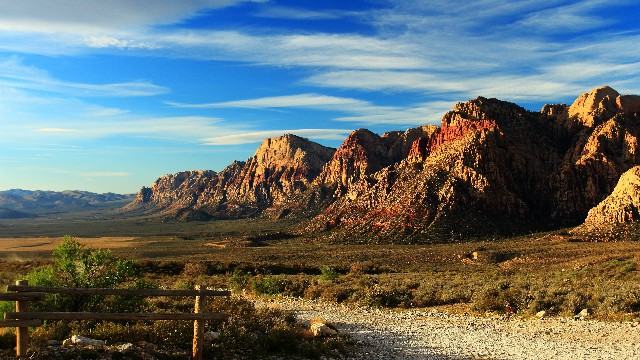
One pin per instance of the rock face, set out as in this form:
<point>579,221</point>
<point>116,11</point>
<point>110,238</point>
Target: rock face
<point>364,153</point>
<point>603,102</point>
<point>280,168</point>
<point>623,205</point>
<point>491,168</point>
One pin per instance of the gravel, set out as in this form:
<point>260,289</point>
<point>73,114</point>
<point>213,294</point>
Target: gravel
<point>430,334</point>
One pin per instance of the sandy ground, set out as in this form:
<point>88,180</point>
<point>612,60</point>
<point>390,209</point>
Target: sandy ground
<point>48,244</point>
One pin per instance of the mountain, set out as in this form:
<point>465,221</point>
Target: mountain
<point>29,202</point>
<point>617,217</point>
<point>12,214</point>
<point>623,205</point>
<point>491,169</point>
<point>280,168</point>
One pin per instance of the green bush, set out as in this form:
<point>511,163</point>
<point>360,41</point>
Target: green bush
<point>79,267</point>
<point>329,273</point>
<point>269,284</point>
<point>239,280</point>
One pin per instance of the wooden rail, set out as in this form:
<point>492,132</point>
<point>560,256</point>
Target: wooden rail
<point>22,319</point>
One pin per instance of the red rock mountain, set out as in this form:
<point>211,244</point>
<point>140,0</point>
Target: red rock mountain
<point>490,169</point>
<point>280,168</point>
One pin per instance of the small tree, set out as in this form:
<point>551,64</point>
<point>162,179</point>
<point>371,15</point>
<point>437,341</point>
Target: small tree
<point>77,266</point>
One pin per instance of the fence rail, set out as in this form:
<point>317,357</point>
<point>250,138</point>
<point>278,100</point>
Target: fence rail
<point>22,318</point>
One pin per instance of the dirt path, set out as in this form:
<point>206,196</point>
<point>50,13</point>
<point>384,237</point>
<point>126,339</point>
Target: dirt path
<point>418,334</point>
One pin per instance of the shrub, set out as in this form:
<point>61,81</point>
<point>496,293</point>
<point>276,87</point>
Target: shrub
<point>329,273</point>
<point>239,280</point>
<point>269,284</point>
<point>194,270</point>
<point>502,298</point>
<point>80,267</point>
<point>7,338</point>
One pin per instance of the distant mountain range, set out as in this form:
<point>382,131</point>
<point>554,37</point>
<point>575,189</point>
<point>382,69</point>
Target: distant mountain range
<point>18,203</point>
<point>491,169</point>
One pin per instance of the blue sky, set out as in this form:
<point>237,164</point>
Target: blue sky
<point>109,95</point>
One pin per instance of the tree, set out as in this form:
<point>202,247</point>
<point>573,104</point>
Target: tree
<point>77,266</point>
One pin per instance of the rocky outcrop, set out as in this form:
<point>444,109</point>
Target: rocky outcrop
<point>492,168</point>
<point>481,168</point>
<point>623,205</point>
<point>363,153</point>
<point>602,103</point>
<point>280,168</point>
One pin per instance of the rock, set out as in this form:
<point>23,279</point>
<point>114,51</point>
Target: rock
<point>321,330</point>
<point>491,169</point>
<point>582,315</point>
<point>54,343</point>
<point>594,104</point>
<point>211,335</point>
<point>623,205</point>
<point>280,168</point>
<point>541,314</point>
<point>319,327</point>
<point>84,341</point>
<point>125,347</point>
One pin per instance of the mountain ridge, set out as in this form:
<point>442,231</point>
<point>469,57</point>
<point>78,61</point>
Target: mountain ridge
<point>491,169</point>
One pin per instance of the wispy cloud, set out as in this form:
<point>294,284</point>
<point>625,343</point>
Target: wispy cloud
<point>56,130</point>
<point>14,74</point>
<point>359,111</point>
<point>259,136</point>
<point>284,12</point>
<point>311,101</point>
<point>86,16</point>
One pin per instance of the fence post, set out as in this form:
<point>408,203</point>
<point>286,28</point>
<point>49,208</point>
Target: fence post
<point>198,327</point>
<point>22,333</point>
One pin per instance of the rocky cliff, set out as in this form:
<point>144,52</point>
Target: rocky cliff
<point>280,168</point>
<point>623,205</point>
<point>490,169</point>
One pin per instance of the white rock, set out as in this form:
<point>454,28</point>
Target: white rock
<point>541,314</point>
<point>125,347</point>
<point>211,335</point>
<point>81,340</point>
<point>319,330</point>
<point>582,314</point>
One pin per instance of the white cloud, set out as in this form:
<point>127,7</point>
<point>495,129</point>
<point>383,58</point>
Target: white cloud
<point>310,101</point>
<point>111,42</point>
<point>283,12</point>
<point>96,16</point>
<point>15,75</point>
<point>56,130</point>
<point>259,136</point>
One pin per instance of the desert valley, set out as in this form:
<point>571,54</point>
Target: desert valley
<point>501,233</point>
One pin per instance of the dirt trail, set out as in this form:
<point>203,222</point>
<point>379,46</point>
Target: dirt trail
<point>419,334</point>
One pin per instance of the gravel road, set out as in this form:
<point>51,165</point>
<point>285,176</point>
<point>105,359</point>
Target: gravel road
<point>429,334</point>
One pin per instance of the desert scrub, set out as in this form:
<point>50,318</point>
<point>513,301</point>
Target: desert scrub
<point>76,266</point>
<point>257,333</point>
<point>7,338</point>
<point>239,280</point>
<point>269,284</point>
<point>329,273</point>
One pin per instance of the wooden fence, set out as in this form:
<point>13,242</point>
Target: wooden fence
<point>22,319</point>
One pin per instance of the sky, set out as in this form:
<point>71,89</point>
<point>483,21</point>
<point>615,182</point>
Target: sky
<point>107,96</point>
